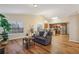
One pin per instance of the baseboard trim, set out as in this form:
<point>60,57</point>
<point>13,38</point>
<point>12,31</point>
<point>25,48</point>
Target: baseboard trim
<point>74,41</point>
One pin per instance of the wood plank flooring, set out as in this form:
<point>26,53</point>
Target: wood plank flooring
<point>16,47</point>
<point>60,45</point>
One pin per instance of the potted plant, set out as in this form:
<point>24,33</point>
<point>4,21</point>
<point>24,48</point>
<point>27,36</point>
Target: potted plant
<point>6,27</point>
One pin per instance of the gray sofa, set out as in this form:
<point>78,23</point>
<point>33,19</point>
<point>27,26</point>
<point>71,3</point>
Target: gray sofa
<point>43,40</point>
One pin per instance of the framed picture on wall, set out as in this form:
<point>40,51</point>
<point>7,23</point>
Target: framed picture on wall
<point>39,27</point>
<point>16,27</point>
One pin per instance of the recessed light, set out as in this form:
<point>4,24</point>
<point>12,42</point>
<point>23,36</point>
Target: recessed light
<point>55,17</point>
<point>35,5</point>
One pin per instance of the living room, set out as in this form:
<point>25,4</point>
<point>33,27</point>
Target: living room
<point>55,24</point>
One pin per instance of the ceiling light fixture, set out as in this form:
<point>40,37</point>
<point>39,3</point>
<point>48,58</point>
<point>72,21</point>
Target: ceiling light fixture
<point>35,5</point>
<point>55,17</point>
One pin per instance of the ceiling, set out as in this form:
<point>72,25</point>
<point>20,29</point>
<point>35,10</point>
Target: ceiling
<point>48,10</point>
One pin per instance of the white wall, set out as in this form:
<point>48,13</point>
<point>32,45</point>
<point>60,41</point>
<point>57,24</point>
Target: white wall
<point>74,28</point>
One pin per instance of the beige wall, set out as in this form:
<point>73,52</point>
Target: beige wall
<point>78,24</point>
<point>59,20</point>
<point>78,27</point>
<point>28,21</point>
<point>39,20</point>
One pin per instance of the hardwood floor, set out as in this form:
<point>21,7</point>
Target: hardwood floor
<point>60,45</point>
<point>16,47</point>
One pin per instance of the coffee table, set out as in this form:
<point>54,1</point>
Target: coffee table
<point>28,42</point>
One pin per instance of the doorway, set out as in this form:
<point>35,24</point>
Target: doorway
<point>59,28</point>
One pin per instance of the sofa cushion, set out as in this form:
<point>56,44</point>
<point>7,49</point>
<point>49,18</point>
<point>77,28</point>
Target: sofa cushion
<point>45,34</point>
<point>41,33</point>
<point>42,40</point>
